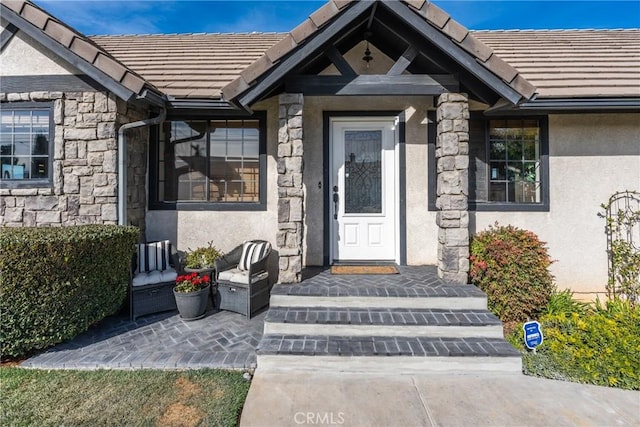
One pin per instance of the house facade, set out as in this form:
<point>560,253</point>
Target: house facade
<point>374,131</point>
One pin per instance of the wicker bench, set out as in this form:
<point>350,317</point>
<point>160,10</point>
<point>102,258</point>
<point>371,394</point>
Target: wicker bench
<point>242,278</point>
<point>155,270</point>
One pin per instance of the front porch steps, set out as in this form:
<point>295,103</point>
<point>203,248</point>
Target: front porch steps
<point>406,323</point>
<point>388,322</point>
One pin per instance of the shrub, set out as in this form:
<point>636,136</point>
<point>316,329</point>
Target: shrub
<point>601,346</point>
<point>56,282</point>
<point>563,302</point>
<point>202,257</point>
<point>512,266</point>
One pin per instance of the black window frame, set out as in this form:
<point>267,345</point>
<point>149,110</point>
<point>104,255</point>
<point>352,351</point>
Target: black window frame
<point>36,182</point>
<point>261,205</point>
<point>486,206</point>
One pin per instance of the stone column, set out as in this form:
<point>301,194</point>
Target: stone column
<point>290,192</point>
<point>452,157</point>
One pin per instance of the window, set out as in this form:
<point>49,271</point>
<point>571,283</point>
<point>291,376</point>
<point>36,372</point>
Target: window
<point>219,161</point>
<point>508,164</point>
<point>25,144</point>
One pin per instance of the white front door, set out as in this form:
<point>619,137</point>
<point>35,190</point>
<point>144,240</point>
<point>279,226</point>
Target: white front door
<point>363,189</point>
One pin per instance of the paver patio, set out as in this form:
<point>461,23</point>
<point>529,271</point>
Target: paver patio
<point>222,339</point>
<point>228,340</point>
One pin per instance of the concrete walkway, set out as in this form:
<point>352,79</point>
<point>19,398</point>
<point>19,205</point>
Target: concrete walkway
<point>307,398</point>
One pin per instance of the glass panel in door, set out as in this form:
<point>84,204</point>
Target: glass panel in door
<point>363,172</point>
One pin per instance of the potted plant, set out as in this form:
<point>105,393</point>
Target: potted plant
<point>192,293</point>
<point>202,259</point>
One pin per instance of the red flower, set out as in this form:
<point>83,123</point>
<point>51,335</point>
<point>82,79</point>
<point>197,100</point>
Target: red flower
<point>191,282</point>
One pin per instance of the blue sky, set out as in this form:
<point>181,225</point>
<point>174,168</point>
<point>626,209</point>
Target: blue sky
<point>159,16</point>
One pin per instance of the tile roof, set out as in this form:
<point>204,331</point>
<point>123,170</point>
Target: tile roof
<point>554,63</point>
<point>189,65</point>
<point>572,63</point>
<point>426,10</point>
<point>566,63</point>
<point>77,43</point>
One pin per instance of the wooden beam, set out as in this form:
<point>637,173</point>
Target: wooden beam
<point>473,85</point>
<point>372,15</point>
<point>403,62</point>
<point>338,60</point>
<point>452,50</point>
<point>49,83</point>
<point>412,84</point>
<point>300,55</point>
<point>9,31</point>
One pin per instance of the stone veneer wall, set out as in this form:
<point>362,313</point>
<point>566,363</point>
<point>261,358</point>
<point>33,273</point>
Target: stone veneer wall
<point>84,176</point>
<point>290,191</point>
<point>452,157</point>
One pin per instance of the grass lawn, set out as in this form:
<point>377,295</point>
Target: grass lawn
<point>115,398</point>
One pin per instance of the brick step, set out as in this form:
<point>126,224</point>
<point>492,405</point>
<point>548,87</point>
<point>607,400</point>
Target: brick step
<point>364,286</point>
<point>474,301</point>
<point>349,321</point>
<point>387,354</point>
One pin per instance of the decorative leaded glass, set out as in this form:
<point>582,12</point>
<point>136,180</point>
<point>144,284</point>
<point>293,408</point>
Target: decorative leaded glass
<point>363,171</point>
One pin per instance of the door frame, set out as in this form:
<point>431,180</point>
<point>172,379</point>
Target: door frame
<point>401,222</point>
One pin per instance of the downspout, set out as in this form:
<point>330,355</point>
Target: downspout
<point>122,166</point>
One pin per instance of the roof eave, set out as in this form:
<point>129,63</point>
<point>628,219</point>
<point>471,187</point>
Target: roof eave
<point>74,59</point>
<point>267,70</point>
<point>568,105</point>
<point>195,105</point>
<point>517,90</point>
<point>265,73</point>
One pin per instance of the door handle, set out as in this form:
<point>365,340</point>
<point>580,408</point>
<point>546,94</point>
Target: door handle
<point>336,203</point>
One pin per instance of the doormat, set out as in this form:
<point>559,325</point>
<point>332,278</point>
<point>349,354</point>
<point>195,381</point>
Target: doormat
<point>364,269</point>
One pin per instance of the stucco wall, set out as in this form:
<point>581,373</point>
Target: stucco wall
<point>421,229</point>
<point>226,229</point>
<point>23,57</point>
<point>591,157</point>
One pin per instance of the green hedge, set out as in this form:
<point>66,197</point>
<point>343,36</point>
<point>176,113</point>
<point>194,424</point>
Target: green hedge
<point>56,282</point>
<point>598,345</point>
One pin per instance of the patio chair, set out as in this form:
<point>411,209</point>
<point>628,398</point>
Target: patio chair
<point>242,278</point>
<point>156,266</point>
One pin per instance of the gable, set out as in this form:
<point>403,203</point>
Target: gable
<point>74,48</point>
<point>23,56</point>
<point>441,45</point>
<point>380,64</point>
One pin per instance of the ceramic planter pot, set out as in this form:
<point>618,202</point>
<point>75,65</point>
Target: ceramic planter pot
<point>201,271</point>
<point>192,305</point>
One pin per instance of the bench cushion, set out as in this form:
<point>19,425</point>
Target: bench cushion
<point>236,275</point>
<point>156,276</point>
